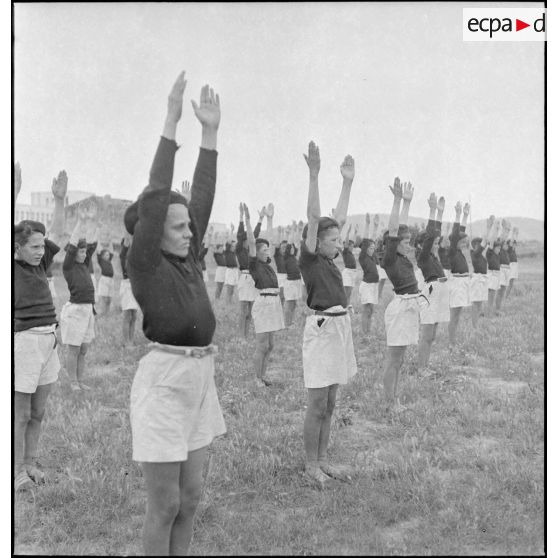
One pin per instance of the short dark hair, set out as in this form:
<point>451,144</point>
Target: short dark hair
<point>260,241</point>
<point>25,229</point>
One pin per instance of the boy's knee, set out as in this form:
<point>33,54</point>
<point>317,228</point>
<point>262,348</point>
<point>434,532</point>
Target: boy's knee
<point>190,499</point>
<point>83,349</point>
<point>22,416</point>
<point>167,509</point>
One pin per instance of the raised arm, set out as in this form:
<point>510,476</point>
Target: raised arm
<point>250,233</point>
<point>367,226</point>
<point>153,203</point>
<point>454,236</point>
<point>77,234</point>
<point>466,210</point>
<point>270,212</point>
<point>203,187</point>
<point>431,230</point>
<point>347,169</point>
<point>348,235</point>
<point>59,189</point>
<point>313,211</point>
<point>407,194</point>
<point>396,190</point>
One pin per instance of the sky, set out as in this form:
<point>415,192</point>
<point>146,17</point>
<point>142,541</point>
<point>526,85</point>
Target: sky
<point>392,84</point>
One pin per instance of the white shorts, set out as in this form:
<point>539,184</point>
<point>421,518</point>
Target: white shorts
<point>35,358</point>
<point>220,273</point>
<point>231,276</point>
<point>402,317</point>
<point>514,270</point>
<point>293,289</point>
<point>478,287</point>
<point>267,313</point>
<point>281,280</point>
<point>247,291</point>
<point>104,288</point>
<point>459,292</point>
<point>77,323</point>
<point>504,276</point>
<point>205,276</point>
<point>127,300</point>
<point>493,279</point>
<point>328,355</point>
<point>94,281</point>
<point>437,311</point>
<point>174,407</point>
<point>349,276</point>
<point>382,273</point>
<point>368,293</point>
<point>52,288</point>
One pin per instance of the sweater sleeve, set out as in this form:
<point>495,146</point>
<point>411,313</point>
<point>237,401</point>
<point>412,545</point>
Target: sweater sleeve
<point>431,233</point>
<point>153,204</point>
<point>203,193</point>
<point>257,229</point>
<point>89,252</point>
<point>454,239</point>
<point>70,257</point>
<point>390,251</point>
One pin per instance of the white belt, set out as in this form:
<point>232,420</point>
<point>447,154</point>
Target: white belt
<point>194,352</point>
<point>505,266</point>
<point>42,329</point>
<point>245,271</point>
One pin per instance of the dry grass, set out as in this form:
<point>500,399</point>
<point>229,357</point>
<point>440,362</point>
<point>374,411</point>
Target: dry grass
<point>460,472</point>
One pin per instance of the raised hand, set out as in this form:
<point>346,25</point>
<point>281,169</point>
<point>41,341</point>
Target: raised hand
<point>466,209</point>
<point>396,189</point>
<point>17,180</point>
<point>241,210</point>
<point>490,222</point>
<point>60,185</point>
<point>356,228</point>
<point>186,190</point>
<point>408,191</point>
<point>244,208</point>
<point>347,168</point>
<point>376,220</point>
<point>301,226</point>
<point>208,112</point>
<point>174,104</point>
<point>458,208</point>
<point>367,219</point>
<point>441,203</point>
<point>433,201</point>
<point>270,210</point>
<point>261,213</point>
<point>313,158</point>
<point>232,228</point>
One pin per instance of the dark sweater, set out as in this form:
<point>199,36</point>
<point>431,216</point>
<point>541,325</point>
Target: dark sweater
<point>77,275</point>
<point>457,258</point>
<point>33,304</point>
<point>170,290</point>
<point>242,254</point>
<point>348,259</point>
<point>429,264</point>
<point>106,265</point>
<point>479,262</point>
<point>279,261</point>
<point>263,274</point>
<point>368,263</point>
<point>399,269</point>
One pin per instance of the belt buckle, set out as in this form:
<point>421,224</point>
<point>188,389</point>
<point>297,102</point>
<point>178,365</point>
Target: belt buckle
<point>197,353</point>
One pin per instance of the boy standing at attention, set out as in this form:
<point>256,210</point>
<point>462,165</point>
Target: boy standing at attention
<point>175,413</point>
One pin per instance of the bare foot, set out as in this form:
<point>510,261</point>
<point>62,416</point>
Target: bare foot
<point>315,476</point>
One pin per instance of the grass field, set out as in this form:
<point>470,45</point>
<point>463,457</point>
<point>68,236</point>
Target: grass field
<point>461,471</point>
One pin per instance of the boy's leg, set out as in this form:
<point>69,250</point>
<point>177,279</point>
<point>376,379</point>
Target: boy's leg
<point>380,288</point>
<point>218,289</point>
<point>230,292</point>
<point>162,482</point>
<point>290,306</point>
<point>22,416</point>
<point>315,413</point>
<point>455,313</point>
<point>475,312</point>
<point>491,296</point>
<point>394,360</point>
<point>367,310</point>
<point>191,483</point>
<point>133,318</point>
<point>126,318</point>
<point>500,297</point>
<point>262,344</point>
<point>510,285</point>
<point>72,364</point>
<point>33,431</point>
<point>335,471</point>
<point>425,344</point>
<point>81,362</point>
<point>266,358</point>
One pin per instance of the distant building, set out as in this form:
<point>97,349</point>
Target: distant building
<point>41,207</point>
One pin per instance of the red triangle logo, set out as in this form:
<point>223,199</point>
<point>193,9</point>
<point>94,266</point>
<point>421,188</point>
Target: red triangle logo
<point>519,25</point>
